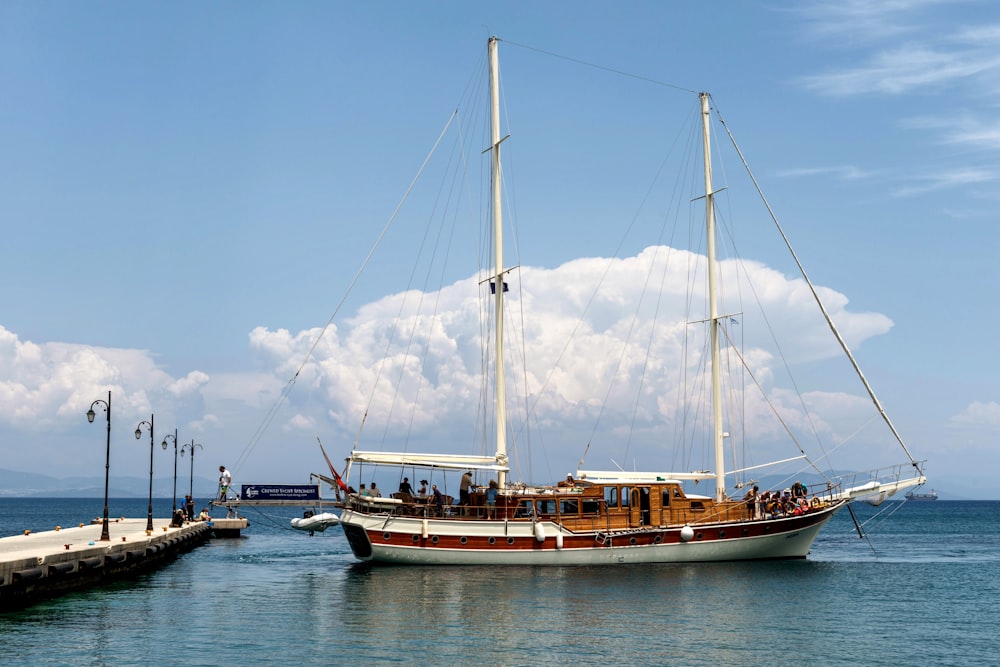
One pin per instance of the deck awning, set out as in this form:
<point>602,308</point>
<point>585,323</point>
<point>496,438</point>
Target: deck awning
<point>443,461</point>
<point>621,476</point>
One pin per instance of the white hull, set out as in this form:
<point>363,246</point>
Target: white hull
<point>418,541</point>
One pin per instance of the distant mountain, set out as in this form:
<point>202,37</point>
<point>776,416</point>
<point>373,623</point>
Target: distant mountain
<point>27,484</point>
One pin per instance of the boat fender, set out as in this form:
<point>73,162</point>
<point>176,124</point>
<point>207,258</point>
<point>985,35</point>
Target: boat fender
<point>559,541</point>
<point>539,532</point>
<point>687,533</point>
<point>423,529</point>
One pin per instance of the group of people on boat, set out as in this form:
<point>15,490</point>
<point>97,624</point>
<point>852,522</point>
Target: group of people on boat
<point>433,500</point>
<point>792,501</point>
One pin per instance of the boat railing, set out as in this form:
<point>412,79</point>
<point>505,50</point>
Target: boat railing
<point>884,481</point>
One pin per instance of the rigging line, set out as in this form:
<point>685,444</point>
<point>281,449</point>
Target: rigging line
<point>267,518</point>
<point>435,311</point>
<point>594,294</point>
<point>887,508</point>
<point>767,399</point>
<point>774,338</point>
<point>403,367</point>
<point>844,441</point>
<point>819,302</point>
<point>861,533</point>
<point>600,67</point>
<point>272,413</point>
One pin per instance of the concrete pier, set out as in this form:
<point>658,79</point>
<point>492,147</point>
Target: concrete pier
<point>229,527</point>
<point>35,566</point>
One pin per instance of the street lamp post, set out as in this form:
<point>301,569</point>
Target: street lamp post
<point>138,434</point>
<point>173,506</point>
<point>190,447</point>
<point>105,535</point>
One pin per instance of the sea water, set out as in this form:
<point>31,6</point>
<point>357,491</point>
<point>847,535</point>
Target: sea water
<point>922,588</point>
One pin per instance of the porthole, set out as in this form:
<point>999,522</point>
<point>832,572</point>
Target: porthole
<point>767,529</point>
<point>631,541</point>
<point>746,531</point>
<point>698,536</point>
<point>463,539</point>
<point>657,539</point>
<point>386,536</point>
<point>493,540</point>
<point>416,538</point>
<point>722,534</point>
<point>434,540</point>
<point>510,540</point>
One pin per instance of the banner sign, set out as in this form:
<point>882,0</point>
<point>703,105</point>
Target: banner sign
<point>279,492</point>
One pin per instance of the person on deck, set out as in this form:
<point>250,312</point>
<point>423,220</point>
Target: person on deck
<point>374,492</point>
<point>404,487</point>
<point>751,500</point>
<point>491,500</point>
<point>435,501</point>
<point>463,488</point>
<point>423,488</point>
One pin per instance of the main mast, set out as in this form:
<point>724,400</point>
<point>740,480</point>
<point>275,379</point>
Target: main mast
<point>501,389</point>
<point>713,308</point>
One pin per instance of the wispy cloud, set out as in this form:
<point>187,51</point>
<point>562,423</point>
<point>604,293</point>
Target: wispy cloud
<point>965,130</point>
<point>842,172</point>
<point>907,68</point>
<point>945,180</point>
<point>979,414</point>
<point>866,20</point>
<point>900,45</point>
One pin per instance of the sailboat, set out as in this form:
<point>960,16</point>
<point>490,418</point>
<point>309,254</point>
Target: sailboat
<point>593,517</point>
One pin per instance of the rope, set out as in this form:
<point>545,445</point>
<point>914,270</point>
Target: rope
<point>819,302</point>
<point>273,411</point>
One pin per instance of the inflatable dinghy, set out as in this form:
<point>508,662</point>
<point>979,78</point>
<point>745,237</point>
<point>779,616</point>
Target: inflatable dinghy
<point>316,522</point>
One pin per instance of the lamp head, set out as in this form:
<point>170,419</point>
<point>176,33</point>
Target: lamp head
<point>164,444</point>
<point>138,433</point>
<point>90,415</point>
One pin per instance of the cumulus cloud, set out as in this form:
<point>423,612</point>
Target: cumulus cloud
<point>612,368</point>
<point>47,386</point>
<point>620,354</point>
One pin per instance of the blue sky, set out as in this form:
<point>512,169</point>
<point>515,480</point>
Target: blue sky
<point>187,190</point>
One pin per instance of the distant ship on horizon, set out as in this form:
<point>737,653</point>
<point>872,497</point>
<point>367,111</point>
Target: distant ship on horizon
<point>932,495</point>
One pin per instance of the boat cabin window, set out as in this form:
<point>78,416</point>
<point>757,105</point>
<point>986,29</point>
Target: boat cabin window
<point>525,508</point>
<point>569,507</point>
<point>666,497</point>
<point>591,507</point>
<point>546,506</point>
<point>615,496</point>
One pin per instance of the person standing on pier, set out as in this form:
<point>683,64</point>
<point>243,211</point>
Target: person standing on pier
<point>224,480</point>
